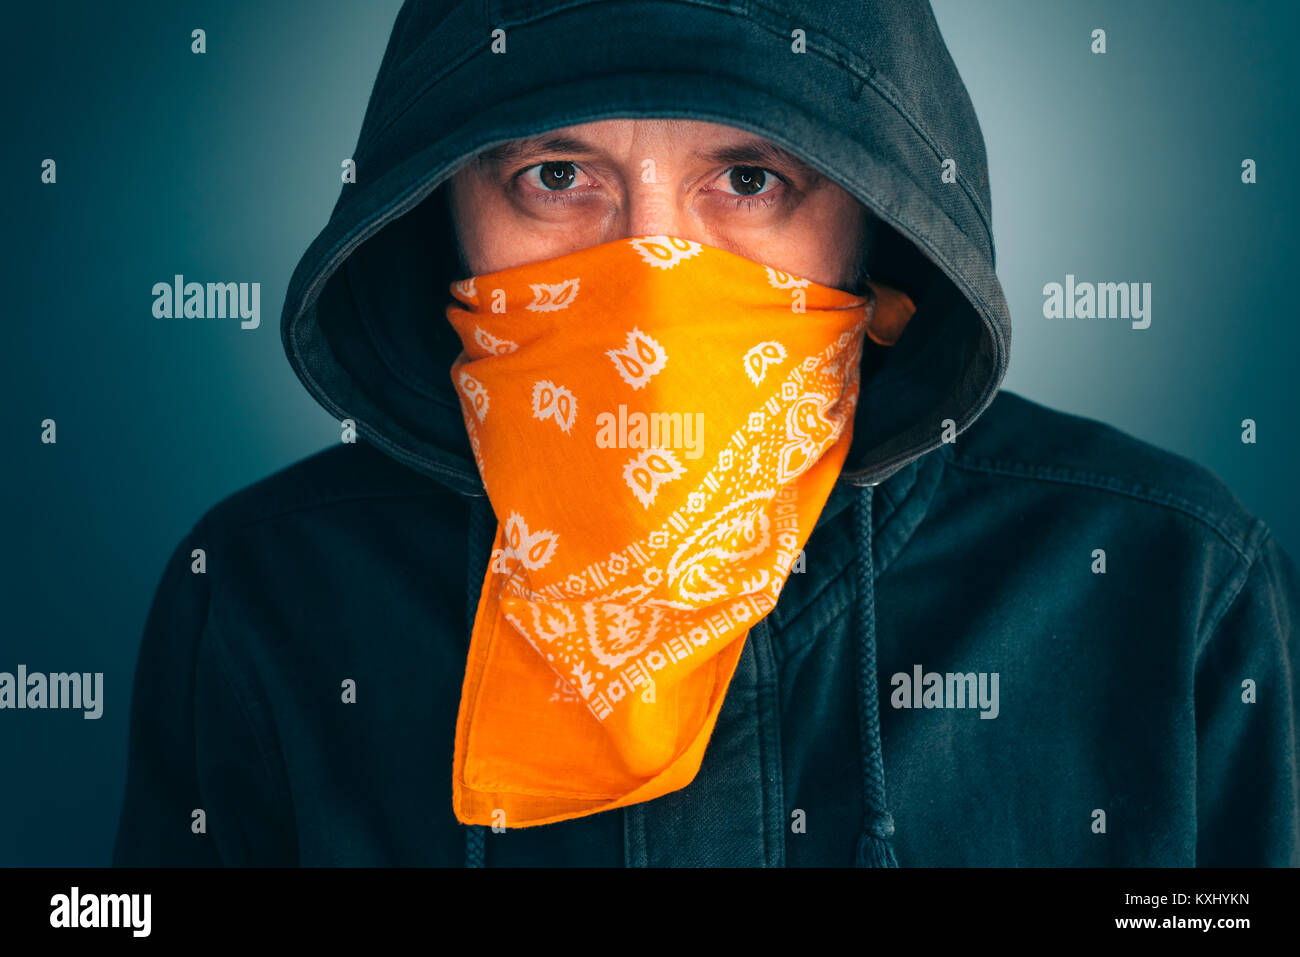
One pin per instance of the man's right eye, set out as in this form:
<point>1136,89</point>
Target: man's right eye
<point>554,176</point>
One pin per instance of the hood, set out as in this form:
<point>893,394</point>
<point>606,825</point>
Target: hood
<point>874,103</point>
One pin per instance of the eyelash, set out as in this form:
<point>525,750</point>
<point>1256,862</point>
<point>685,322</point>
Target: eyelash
<point>746,202</point>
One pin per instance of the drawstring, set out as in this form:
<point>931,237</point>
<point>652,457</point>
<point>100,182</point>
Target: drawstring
<point>482,529</point>
<point>874,849</point>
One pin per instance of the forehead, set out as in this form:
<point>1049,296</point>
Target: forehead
<point>632,140</point>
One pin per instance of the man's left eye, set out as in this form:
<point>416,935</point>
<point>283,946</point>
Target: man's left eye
<point>750,180</point>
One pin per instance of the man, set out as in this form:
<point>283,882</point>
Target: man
<point>945,671</point>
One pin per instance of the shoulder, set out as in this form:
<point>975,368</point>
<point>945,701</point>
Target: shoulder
<point>334,481</point>
<point>338,550</point>
<point>347,517</point>
<point>1017,438</point>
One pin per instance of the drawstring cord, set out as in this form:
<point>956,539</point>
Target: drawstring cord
<point>874,849</point>
<point>482,529</point>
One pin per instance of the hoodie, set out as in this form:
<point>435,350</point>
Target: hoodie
<point>1019,637</point>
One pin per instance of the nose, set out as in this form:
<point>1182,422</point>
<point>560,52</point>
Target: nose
<point>653,209</point>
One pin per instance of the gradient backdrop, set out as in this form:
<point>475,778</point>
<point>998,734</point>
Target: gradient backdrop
<point>222,167</point>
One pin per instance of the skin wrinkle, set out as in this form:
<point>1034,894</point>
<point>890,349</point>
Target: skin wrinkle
<point>811,227</point>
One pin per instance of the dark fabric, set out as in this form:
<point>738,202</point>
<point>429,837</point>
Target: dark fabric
<point>482,527</point>
<point>1121,693</point>
<point>874,849</point>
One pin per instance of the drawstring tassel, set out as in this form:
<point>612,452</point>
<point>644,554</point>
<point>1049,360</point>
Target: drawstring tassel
<point>874,849</point>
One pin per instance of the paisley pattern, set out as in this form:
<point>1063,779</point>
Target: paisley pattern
<point>625,573</point>
<point>718,551</point>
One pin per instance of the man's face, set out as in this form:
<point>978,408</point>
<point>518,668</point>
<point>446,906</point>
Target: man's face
<point>580,186</point>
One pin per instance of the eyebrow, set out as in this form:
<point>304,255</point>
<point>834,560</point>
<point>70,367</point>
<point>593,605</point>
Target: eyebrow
<point>755,151</point>
<point>513,150</point>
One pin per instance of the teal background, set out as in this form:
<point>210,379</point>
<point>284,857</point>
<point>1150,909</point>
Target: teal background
<point>1117,167</point>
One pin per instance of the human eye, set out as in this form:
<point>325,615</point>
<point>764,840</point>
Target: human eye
<point>553,181</point>
<point>749,186</point>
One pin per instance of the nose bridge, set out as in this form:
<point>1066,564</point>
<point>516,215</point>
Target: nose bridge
<point>653,205</point>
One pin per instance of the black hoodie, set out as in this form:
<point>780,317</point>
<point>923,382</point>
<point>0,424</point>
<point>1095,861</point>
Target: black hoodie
<point>1022,637</point>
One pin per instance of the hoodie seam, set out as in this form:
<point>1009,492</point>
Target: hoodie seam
<point>234,525</point>
<point>985,212</point>
<point>834,619</point>
<point>768,702</point>
<point>878,568</point>
<point>490,24</point>
<point>816,597</point>
<point>866,73</point>
<point>449,67</point>
<point>212,637</point>
<point>1106,483</point>
<point>396,44</point>
<point>1233,587</point>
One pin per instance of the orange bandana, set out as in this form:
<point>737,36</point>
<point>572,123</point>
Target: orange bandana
<point>658,425</point>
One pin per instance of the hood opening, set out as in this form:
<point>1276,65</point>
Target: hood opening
<point>387,349</point>
<point>363,324</point>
